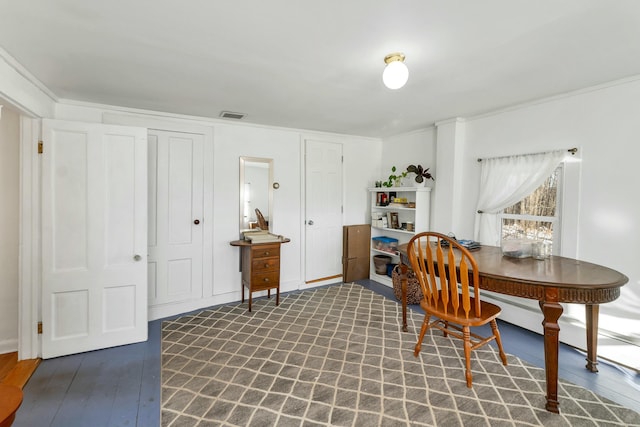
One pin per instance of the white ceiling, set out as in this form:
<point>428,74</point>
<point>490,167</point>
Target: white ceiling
<point>318,64</point>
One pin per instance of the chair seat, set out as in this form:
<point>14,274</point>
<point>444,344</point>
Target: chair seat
<point>489,312</point>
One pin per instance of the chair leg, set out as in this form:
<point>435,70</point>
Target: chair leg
<point>446,326</point>
<point>466,332</point>
<point>423,330</point>
<point>496,333</point>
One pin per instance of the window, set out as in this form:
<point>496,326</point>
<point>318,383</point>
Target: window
<point>537,216</point>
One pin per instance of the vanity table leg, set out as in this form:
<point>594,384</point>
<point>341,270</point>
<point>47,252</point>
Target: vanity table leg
<point>592,311</point>
<point>552,311</point>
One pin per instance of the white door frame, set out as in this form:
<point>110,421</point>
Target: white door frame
<point>29,281</point>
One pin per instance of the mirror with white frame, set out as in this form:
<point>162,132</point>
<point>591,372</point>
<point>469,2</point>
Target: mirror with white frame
<point>256,192</point>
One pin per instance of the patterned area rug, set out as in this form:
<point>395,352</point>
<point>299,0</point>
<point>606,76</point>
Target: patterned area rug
<point>336,357</point>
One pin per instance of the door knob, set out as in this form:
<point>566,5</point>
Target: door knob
<point>310,222</point>
<point>196,222</point>
<point>137,257</point>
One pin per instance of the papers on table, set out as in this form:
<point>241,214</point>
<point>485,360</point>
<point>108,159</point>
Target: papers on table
<point>261,236</point>
<point>469,244</point>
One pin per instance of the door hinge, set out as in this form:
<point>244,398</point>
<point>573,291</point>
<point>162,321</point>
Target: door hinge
<point>40,147</point>
<point>39,328</point>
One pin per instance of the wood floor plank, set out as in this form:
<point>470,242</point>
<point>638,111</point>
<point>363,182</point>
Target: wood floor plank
<point>90,399</point>
<point>46,390</point>
<point>7,362</point>
<point>128,381</point>
<point>21,372</point>
<point>149,412</point>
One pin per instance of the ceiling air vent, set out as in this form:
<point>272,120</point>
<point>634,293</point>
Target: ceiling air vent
<point>232,115</point>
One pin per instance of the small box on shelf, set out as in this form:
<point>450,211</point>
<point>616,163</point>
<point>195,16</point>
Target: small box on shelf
<point>385,244</point>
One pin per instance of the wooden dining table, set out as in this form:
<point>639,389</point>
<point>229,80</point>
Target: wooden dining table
<point>551,281</point>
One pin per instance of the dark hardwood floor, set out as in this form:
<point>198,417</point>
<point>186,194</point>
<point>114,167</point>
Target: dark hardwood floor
<point>121,386</point>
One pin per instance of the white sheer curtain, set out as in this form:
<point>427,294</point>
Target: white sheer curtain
<point>505,181</point>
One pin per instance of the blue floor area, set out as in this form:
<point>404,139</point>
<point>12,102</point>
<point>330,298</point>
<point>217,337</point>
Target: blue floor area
<point>120,386</point>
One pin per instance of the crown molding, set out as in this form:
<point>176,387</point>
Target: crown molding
<point>545,100</point>
<point>454,120</point>
<point>201,120</point>
<point>23,72</point>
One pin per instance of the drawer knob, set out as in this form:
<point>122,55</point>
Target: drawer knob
<point>266,253</point>
<point>266,265</point>
<point>266,279</point>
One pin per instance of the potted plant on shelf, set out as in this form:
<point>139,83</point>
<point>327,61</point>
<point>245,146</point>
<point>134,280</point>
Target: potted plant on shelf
<point>421,174</point>
<point>394,180</point>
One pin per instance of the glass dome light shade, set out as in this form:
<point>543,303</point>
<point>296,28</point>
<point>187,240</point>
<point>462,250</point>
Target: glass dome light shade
<point>395,75</point>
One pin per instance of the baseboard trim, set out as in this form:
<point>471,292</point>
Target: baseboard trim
<point>9,346</point>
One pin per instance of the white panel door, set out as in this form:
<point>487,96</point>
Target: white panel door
<point>94,236</point>
<point>323,195</point>
<point>176,182</point>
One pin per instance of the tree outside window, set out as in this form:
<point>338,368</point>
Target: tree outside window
<point>537,216</point>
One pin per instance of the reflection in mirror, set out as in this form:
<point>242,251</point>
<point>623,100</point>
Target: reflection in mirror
<point>256,191</point>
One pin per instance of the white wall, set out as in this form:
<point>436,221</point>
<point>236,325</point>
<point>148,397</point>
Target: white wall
<point>604,124</point>
<point>285,147</point>
<point>230,143</point>
<point>412,148</point>
<point>9,238</point>
<point>604,205</point>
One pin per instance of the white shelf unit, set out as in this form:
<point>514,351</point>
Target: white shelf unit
<point>419,215</point>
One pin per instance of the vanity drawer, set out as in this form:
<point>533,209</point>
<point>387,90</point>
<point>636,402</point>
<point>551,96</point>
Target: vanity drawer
<point>259,265</point>
<point>266,280</point>
<point>265,251</point>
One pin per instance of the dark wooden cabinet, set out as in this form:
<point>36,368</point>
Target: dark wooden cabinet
<point>260,267</point>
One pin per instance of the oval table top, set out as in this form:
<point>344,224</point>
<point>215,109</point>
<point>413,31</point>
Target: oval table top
<point>567,274</point>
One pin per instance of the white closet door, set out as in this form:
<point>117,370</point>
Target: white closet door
<point>175,216</point>
<point>94,236</point>
<point>323,195</point>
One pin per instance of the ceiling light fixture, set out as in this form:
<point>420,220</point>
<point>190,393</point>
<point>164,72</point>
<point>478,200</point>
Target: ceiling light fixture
<point>396,73</point>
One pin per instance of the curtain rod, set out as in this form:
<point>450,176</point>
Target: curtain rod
<point>573,151</point>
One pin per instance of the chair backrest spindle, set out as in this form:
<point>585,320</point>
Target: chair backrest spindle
<point>448,284</point>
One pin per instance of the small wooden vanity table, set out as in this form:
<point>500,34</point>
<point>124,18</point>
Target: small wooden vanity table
<point>260,264</point>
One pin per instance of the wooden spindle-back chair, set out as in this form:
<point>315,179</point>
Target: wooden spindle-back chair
<point>448,276</point>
